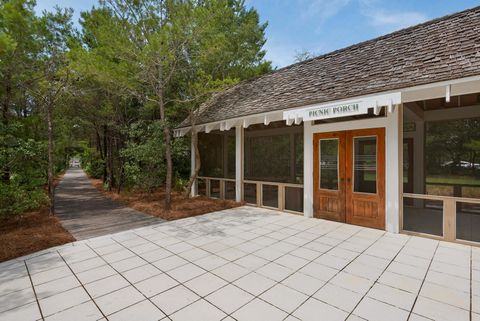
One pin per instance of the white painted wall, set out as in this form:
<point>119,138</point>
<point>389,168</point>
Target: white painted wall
<point>392,171</point>
<point>307,169</point>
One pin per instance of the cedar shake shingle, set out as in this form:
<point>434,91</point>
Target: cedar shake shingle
<point>442,49</point>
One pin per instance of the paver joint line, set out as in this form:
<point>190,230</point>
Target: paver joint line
<point>82,285</point>
<point>311,296</point>
<point>34,291</point>
<point>131,284</point>
<point>423,281</point>
<point>193,262</point>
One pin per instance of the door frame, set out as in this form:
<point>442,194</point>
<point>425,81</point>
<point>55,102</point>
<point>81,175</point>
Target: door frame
<point>344,198</point>
<point>393,153</point>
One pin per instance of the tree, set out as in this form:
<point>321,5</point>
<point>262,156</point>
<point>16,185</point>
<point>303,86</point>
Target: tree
<point>18,52</point>
<point>227,49</point>
<point>30,67</point>
<point>171,54</point>
<point>303,55</point>
<point>55,30</point>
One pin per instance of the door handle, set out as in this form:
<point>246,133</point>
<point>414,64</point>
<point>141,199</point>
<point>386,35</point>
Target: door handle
<point>342,179</point>
<point>348,179</point>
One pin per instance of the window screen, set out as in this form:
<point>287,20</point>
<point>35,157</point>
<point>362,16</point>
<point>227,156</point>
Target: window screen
<point>217,154</point>
<point>274,155</point>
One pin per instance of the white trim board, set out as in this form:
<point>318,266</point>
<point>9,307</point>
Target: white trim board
<point>439,89</point>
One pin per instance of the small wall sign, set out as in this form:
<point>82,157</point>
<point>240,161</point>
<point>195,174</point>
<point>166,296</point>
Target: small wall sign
<point>352,107</point>
<point>333,111</point>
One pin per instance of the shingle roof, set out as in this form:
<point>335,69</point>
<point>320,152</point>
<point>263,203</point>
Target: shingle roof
<point>441,49</point>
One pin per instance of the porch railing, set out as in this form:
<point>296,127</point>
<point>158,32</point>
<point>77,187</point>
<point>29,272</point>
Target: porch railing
<point>282,196</point>
<point>444,217</point>
<point>222,188</point>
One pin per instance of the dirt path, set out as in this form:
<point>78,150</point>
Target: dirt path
<point>86,213</point>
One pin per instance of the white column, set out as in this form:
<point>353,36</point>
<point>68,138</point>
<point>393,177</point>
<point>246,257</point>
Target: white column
<point>194,191</point>
<point>238,162</point>
<point>393,171</point>
<point>307,169</point>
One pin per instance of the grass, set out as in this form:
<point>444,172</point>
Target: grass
<point>447,179</point>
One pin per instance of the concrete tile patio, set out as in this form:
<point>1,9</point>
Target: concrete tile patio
<point>245,264</point>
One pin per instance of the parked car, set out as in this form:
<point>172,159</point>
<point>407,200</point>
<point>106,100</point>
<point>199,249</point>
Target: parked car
<point>462,164</point>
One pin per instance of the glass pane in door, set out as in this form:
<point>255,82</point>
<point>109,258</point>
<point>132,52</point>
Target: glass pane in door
<point>328,163</point>
<point>365,164</point>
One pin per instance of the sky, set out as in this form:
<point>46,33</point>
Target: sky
<point>321,26</point>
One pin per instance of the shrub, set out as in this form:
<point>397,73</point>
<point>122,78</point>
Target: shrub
<point>16,199</point>
<point>92,163</point>
<point>143,157</point>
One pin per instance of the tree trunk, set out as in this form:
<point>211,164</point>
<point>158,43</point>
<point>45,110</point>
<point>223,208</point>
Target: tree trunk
<point>7,98</point>
<point>5,107</point>
<point>105,149</point>
<point>110,163</point>
<point>196,170</point>
<point>169,174</point>
<point>120,178</point>
<point>50,159</point>
<point>98,142</point>
<point>168,152</point>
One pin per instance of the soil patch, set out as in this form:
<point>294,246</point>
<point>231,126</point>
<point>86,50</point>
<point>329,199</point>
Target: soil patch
<point>32,232</point>
<point>153,203</point>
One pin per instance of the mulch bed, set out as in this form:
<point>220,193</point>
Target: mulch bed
<point>31,232</point>
<point>153,203</point>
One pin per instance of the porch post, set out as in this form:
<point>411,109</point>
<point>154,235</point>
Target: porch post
<point>194,191</point>
<point>307,169</point>
<point>393,170</point>
<point>238,162</point>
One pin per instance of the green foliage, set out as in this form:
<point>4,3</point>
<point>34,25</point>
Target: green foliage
<point>92,163</point>
<point>143,156</point>
<point>181,158</point>
<point>102,87</point>
<point>24,158</point>
<point>20,154</point>
<point>180,183</point>
<point>15,199</point>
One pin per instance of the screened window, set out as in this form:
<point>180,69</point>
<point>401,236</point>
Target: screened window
<point>441,156</point>
<point>217,154</point>
<point>441,150</point>
<point>452,157</point>
<point>274,153</point>
<point>294,199</point>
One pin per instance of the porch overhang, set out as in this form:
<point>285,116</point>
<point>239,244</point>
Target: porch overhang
<point>353,106</point>
<point>343,108</point>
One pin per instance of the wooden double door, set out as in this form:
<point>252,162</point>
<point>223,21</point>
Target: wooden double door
<point>349,176</point>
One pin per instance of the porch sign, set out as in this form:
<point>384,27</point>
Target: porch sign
<point>334,111</point>
<point>352,107</point>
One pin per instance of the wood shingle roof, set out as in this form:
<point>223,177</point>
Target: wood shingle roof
<point>442,49</point>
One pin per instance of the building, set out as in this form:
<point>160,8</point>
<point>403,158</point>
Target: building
<point>384,133</point>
